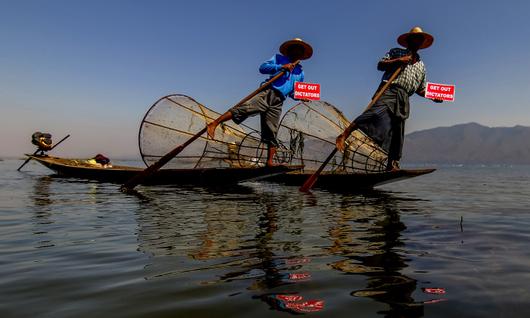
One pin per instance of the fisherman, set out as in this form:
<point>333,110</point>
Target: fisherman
<point>384,122</point>
<point>268,103</point>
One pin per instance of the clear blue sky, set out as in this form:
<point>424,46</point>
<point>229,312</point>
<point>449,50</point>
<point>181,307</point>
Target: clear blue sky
<point>92,68</point>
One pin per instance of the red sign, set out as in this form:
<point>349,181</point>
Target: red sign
<point>306,91</point>
<point>306,306</point>
<point>434,290</point>
<point>289,298</point>
<point>299,276</point>
<point>440,91</point>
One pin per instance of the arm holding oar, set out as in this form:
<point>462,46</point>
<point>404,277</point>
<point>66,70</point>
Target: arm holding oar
<point>308,184</point>
<point>288,67</point>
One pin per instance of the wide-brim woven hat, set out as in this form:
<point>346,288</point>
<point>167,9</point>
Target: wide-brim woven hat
<point>308,50</point>
<point>416,31</point>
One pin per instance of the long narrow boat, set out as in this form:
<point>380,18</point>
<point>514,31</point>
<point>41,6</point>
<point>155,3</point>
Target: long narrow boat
<point>81,168</point>
<point>345,182</point>
<point>289,175</point>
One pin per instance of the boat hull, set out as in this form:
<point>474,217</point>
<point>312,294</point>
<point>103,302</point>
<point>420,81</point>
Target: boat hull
<point>78,168</point>
<point>346,182</point>
<point>289,175</point>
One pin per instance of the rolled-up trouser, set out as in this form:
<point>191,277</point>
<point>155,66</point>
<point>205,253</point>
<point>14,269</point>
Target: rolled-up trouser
<point>268,103</point>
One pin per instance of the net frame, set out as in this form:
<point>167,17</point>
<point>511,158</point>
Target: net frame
<point>241,146</point>
<point>243,139</point>
<point>362,154</point>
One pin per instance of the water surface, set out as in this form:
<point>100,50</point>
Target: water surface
<point>452,243</point>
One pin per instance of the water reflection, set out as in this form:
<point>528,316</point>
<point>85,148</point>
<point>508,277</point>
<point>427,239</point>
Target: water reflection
<point>265,268</point>
<point>57,201</point>
<point>236,235</point>
<point>368,237</point>
<point>41,195</point>
<point>257,240</point>
<point>239,253</point>
<point>42,211</point>
<point>262,268</point>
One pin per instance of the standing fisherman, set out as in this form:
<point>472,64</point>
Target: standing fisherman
<point>268,103</point>
<point>384,122</point>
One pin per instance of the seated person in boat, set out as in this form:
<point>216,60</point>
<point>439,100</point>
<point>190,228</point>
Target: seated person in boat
<point>268,103</point>
<point>100,160</point>
<point>384,122</point>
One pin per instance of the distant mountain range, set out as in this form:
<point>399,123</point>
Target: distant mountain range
<point>469,143</point>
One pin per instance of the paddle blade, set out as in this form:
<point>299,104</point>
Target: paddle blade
<point>27,160</point>
<point>138,178</point>
<point>309,183</point>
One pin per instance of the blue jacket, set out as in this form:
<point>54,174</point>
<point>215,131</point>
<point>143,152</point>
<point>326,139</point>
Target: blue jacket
<point>284,84</point>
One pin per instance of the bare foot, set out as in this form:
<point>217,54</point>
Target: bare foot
<point>393,166</point>
<point>210,129</point>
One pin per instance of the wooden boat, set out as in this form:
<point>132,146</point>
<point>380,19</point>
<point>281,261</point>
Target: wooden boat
<point>289,175</point>
<point>347,182</point>
<point>81,168</point>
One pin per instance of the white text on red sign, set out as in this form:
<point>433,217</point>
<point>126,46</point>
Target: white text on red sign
<point>306,91</point>
<point>440,91</point>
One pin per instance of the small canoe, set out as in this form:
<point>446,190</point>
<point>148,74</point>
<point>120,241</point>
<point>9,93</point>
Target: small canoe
<point>81,168</point>
<point>347,182</point>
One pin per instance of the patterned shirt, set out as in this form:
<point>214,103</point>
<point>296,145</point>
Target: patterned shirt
<point>412,78</point>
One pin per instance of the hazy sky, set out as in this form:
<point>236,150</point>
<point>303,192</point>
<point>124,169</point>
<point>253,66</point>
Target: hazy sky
<point>93,68</point>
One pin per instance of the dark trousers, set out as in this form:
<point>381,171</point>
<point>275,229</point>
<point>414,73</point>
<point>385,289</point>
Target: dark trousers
<point>398,137</point>
<point>385,121</point>
<point>268,104</point>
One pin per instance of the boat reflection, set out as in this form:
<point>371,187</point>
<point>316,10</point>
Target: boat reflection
<point>42,211</point>
<point>268,270</point>
<point>237,236</point>
<point>368,237</point>
<point>265,244</point>
<point>41,195</point>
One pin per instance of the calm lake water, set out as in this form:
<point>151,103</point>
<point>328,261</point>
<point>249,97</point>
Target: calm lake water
<point>454,243</point>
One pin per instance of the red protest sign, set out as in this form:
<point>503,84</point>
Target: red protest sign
<point>306,91</point>
<point>440,91</point>
<point>433,290</point>
<point>306,306</point>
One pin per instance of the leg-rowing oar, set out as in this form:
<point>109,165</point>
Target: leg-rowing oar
<point>141,176</point>
<point>310,182</point>
<point>36,151</point>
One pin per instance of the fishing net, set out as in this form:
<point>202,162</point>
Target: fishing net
<point>307,135</point>
<point>174,119</point>
<point>308,130</point>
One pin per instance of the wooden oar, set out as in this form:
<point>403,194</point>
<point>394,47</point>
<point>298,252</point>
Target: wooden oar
<point>36,151</point>
<point>310,182</point>
<point>142,176</point>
